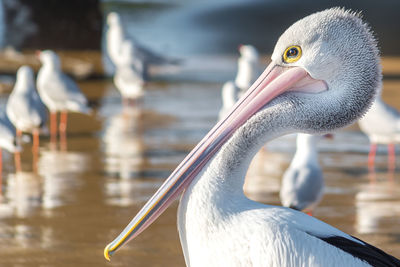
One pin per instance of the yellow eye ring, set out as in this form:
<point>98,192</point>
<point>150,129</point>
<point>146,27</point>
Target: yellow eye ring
<point>292,54</point>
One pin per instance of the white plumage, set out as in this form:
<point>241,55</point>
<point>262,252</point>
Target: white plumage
<point>246,75</point>
<point>129,74</point>
<point>248,70</point>
<point>381,123</point>
<point>382,126</point>
<point>24,107</point>
<point>303,182</point>
<point>298,92</point>
<point>143,57</point>
<point>7,135</point>
<point>58,91</point>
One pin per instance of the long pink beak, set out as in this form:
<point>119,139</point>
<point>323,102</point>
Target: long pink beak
<point>273,81</point>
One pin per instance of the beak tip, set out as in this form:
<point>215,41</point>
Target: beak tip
<point>107,252</point>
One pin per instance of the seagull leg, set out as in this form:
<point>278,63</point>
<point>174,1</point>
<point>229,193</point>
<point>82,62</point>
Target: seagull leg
<point>391,157</point>
<point>53,129</point>
<point>17,155</point>
<point>63,130</point>
<point>35,149</point>
<point>1,172</point>
<point>371,158</point>
<point>391,161</point>
<point>125,102</point>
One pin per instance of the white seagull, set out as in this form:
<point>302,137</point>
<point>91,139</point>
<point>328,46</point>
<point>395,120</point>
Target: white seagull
<point>246,75</point>
<point>129,76</point>
<point>59,93</point>
<point>8,139</point>
<point>144,57</point>
<point>324,74</point>
<point>26,111</point>
<point>248,70</point>
<point>382,126</point>
<point>303,182</point>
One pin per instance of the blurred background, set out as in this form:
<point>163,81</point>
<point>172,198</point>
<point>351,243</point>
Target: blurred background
<point>82,196</point>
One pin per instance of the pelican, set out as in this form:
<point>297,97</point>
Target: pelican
<point>324,74</point>
<point>59,93</point>
<point>246,75</point>
<point>382,126</point>
<point>26,111</point>
<point>116,36</point>
<point>303,182</point>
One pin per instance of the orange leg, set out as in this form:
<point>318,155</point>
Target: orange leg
<point>63,129</point>
<point>35,149</point>
<point>391,157</point>
<point>17,155</point>
<point>371,158</point>
<point>53,128</point>
<point>1,173</point>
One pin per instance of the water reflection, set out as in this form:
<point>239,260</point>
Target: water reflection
<point>59,170</point>
<point>24,193</point>
<point>378,208</point>
<point>123,143</point>
<point>264,176</point>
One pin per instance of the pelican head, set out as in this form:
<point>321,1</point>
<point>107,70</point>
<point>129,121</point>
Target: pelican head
<point>49,58</point>
<point>324,74</point>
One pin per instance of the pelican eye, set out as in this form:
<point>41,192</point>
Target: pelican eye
<point>292,54</point>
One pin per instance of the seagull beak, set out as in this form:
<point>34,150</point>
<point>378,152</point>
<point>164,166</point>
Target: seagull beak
<point>37,53</point>
<point>273,81</point>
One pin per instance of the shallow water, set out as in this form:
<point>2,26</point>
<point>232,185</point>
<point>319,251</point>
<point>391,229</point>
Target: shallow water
<point>116,158</point>
<point>82,197</point>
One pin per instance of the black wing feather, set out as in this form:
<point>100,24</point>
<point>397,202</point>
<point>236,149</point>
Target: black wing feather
<point>365,252</point>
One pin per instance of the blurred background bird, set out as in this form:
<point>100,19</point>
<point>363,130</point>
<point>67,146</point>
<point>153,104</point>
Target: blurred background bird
<point>247,73</point>
<point>144,57</point>
<point>59,93</point>
<point>303,182</point>
<point>382,126</point>
<point>26,111</point>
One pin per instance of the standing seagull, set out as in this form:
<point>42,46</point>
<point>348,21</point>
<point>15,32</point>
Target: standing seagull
<point>129,77</point>
<point>26,111</point>
<point>324,73</point>
<point>8,141</point>
<point>116,36</point>
<point>247,67</point>
<point>59,93</point>
<point>303,182</point>
<point>382,126</point>
<point>246,75</point>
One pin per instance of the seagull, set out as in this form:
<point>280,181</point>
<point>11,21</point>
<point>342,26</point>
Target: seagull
<point>303,182</point>
<point>382,126</point>
<point>129,76</point>
<point>26,111</point>
<point>247,67</point>
<point>324,74</point>
<point>8,140</point>
<point>230,95</point>
<point>116,36</point>
<point>246,75</point>
<point>59,93</point>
